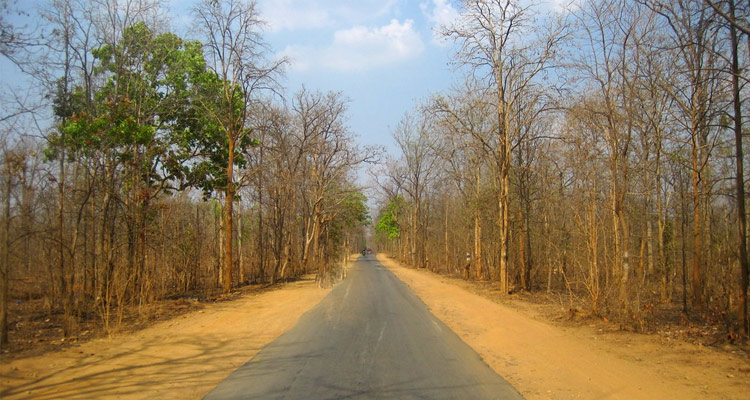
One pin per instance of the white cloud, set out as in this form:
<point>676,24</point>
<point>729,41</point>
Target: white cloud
<point>560,6</point>
<point>441,14</point>
<point>360,11</point>
<point>292,14</point>
<point>313,14</point>
<point>360,48</point>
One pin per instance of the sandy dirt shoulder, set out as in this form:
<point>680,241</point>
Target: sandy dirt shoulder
<point>182,358</point>
<point>545,361</point>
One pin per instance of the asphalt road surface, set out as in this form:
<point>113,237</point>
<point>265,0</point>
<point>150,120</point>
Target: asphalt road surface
<point>370,338</point>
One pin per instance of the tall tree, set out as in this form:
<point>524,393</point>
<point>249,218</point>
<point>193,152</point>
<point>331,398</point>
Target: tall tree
<point>418,144</point>
<point>609,67</point>
<point>11,163</point>
<point>501,42</point>
<point>693,88</point>
<point>467,119</point>
<point>738,23</point>
<point>236,54</point>
<point>329,155</point>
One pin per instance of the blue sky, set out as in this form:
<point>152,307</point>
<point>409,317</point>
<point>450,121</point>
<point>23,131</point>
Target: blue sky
<point>381,54</point>
<point>384,55</point>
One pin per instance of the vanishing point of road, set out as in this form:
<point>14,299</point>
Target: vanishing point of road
<point>370,338</point>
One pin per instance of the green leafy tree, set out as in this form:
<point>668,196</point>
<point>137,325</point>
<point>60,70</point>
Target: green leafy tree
<point>388,221</point>
<point>145,115</point>
<point>144,128</point>
<point>236,51</point>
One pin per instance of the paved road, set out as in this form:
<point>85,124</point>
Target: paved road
<point>371,337</point>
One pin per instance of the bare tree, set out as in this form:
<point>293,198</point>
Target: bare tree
<point>610,29</point>
<point>418,144</point>
<point>327,153</point>
<point>500,41</point>
<point>742,24</point>
<point>738,22</point>
<point>693,88</point>
<point>10,167</point>
<point>466,118</point>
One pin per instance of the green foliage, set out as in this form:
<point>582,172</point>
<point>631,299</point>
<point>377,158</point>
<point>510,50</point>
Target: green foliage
<point>217,117</point>
<point>149,114</point>
<point>354,210</point>
<point>388,219</point>
<point>351,215</point>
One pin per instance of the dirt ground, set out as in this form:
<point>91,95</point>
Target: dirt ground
<point>185,357</point>
<point>546,361</point>
<point>182,358</point>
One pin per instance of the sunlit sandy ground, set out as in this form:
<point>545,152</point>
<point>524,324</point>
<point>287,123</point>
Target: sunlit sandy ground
<point>545,361</point>
<point>182,358</point>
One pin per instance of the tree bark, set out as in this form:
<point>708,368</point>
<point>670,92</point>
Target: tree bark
<point>447,256</point>
<point>477,230</point>
<point>261,226</point>
<point>697,242</point>
<point>739,179</point>
<point>227,287</point>
<point>5,269</point>
<point>240,236</point>
<point>504,173</point>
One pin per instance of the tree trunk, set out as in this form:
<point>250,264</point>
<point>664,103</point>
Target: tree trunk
<point>5,268</point>
<point>227,287</point>
<point>642,258</point>
<point>739,179</point>
<point>593,244</point>
<point>64,289</point>
<point>219,225</point>
<point>240,237</point>
<point>649,246</point>
<point>625,262</point>
<point>413,246</point>
<point>261,250</point>
<point>522,253</point>
<point>197,243</point>
<point>683,234</point>
<point>660,228</point>
<point>447,256</point>
<point>504,172</point>
<point>547,254</point>
<point>477,245</point>
<point>503,222</point>
<point>697,242</point>
<point>503,213</point>
<point>524,243</point>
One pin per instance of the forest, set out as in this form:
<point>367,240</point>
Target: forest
<point>143,166</point>
<point>596,157</point>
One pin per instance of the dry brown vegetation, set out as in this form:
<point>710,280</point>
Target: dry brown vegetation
<point>180,358</point>
<point>546,357</point>
<point>595,157</point>
<point>160,170</point>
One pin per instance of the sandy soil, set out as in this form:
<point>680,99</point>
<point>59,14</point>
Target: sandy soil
<point>544,361</point>
<point>182,358</point>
